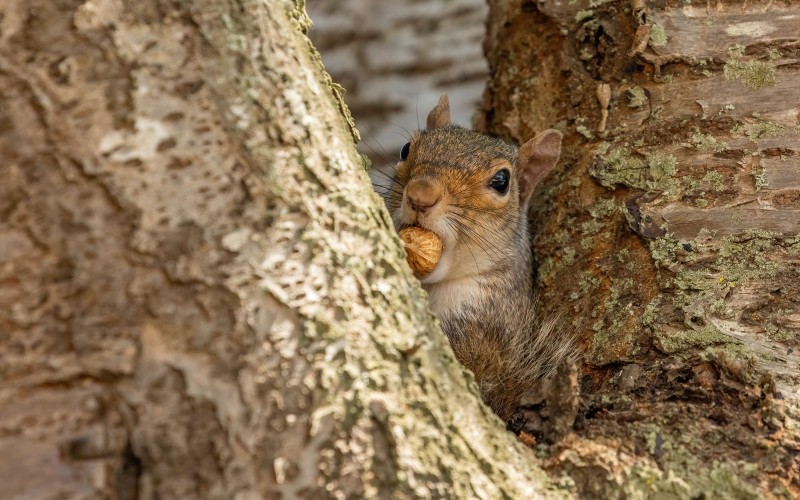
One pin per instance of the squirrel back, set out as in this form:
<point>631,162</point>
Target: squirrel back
<point>473,190</point>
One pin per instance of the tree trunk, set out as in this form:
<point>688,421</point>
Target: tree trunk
<point>670,238</point>
<point>202,296</point>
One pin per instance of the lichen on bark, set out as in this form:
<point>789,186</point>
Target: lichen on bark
<point>209,278</point>
<point>673,295</point>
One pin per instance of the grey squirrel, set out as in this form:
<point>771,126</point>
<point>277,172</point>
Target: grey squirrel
<point>473,191</point>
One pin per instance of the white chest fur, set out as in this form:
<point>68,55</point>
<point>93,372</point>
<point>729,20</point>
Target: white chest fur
<point>448,297</point>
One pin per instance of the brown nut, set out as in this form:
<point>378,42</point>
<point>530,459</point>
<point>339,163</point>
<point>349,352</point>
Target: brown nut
<point>423,249</point>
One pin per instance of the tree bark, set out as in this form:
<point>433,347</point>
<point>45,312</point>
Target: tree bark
<point>671,236</point>
<point>202,297</point>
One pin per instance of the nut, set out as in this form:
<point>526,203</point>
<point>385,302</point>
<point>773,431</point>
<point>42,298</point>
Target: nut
<point>423,249</point>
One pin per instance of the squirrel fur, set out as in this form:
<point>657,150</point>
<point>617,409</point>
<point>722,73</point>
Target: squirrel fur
<point>473,190</point>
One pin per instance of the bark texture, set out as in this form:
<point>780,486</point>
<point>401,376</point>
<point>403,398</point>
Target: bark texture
<point>201,295</point>
<point>671,237</point>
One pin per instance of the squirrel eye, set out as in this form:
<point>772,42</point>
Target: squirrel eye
<point>404,150</point>
<point>500,181</point>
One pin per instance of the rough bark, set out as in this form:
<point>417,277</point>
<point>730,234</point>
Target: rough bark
<point>202,296</point>
<point>671,236</point>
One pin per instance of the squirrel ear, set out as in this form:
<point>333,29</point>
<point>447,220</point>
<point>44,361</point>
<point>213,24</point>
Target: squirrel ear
<point>536,159</point>
<point>440,115</point>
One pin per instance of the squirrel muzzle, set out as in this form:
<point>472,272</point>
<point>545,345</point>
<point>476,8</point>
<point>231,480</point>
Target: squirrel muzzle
<point>422,195</point>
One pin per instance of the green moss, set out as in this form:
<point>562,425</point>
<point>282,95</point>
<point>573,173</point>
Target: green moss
<point>583,14</point>
<point>753,74</point>
<point>637,97</point>
<point>658,37</point>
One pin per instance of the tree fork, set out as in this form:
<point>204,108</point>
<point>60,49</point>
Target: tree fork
<point>206,299</point>
<point>671,238</point>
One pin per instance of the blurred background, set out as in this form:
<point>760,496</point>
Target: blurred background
<point>396,58</point>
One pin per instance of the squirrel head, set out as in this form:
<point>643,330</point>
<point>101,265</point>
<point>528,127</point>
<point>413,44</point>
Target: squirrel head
<point>472,190</point>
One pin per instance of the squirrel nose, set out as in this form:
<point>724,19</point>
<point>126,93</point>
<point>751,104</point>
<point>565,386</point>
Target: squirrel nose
<point>421,195</point>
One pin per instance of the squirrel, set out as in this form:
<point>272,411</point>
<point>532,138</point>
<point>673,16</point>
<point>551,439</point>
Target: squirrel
<point>473,190</point>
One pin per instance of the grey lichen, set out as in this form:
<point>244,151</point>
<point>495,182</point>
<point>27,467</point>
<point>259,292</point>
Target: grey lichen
<point>753,74</point>
<point>708,142</point>
<point>654,173</point>
<point>663,167</point>
<point>763,130</point>
<point>658,37</point>
<point>672,342</point>
<point>716,180</point>
<point>365,160</point>
<point>774,53</point>
<point>583,14</point>
<point>650,314</point>
<point>760,178</point>
<point>638,98</point>
<point>584,131</point>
